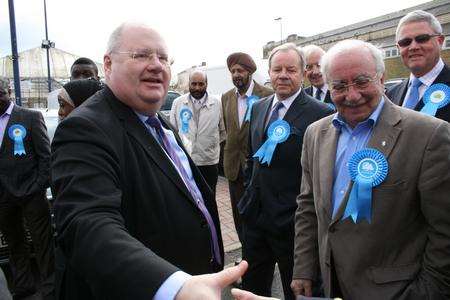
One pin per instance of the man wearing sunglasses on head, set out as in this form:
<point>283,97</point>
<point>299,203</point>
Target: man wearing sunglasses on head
<point>419,40</point>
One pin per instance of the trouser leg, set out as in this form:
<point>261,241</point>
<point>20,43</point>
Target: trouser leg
<point>211,175</point>
<point>236,188</point>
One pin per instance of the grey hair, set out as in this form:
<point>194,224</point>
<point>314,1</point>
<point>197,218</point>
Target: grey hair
<point>419,16</point>
<point>285,48</point>
<point>199,71</point>
<point>347,45</point>
<point>116,35</point>
<point>310,49</point>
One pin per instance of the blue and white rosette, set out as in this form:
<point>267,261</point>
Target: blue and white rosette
<point>278,132</point>
<point>435,97</point>
<point>185,117</point>
<point>331,105</point>
<point>17,133</point>
<point>250,100</point>
<point>368,168</point>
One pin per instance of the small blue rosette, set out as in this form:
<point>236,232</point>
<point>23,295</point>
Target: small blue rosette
<point>250,101</point>
<point>435,97</point>
<point>278,132</point>
<point>185,117</point>
<point>17,133</point>
<point>368,168</point>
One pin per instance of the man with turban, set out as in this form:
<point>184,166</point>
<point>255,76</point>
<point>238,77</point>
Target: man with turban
<point>235,103</point>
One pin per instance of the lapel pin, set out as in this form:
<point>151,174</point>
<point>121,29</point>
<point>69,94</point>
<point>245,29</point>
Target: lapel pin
<point>383,143</point>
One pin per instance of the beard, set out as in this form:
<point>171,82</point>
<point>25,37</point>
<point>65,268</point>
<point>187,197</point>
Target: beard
<point>240,82</point>
<point>197,94</point>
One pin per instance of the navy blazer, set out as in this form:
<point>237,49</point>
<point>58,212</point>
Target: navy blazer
<point>397,94</point>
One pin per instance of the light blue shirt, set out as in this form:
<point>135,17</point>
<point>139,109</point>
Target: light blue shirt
<point>350,141</point>
<point>170,287</point>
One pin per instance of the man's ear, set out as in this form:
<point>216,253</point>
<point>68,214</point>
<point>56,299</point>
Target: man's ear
<point>107,62</point>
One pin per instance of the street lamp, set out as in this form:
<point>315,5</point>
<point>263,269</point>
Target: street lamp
<point>15,55</point>
<point>47,44</point>
<point>280,19</point>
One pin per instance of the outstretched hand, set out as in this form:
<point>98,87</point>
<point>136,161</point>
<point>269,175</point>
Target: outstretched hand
<point>209,286</point>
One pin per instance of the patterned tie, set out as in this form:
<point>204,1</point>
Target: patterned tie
<point>318,94</point>
<point>413,98</point>
<point>274,116</point>
<point>154,122</point>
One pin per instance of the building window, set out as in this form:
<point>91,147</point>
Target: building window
<point>446,43</point>
<point>390,52</point>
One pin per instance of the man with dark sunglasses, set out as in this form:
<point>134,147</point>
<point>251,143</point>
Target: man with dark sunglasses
<point>419,40</point>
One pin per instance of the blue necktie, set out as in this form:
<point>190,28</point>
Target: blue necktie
<point>318,94</point>
<point>413,98</point>
<point>274,116</point>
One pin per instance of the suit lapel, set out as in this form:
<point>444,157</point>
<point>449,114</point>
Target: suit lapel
<point>329,138</point>
<point>15,118</point>
<point>139,132</point>
<point>384,138</point>
<point>398,98</point>
<point>262,117</point>
<point>234,109</point>
<point>295,110</point>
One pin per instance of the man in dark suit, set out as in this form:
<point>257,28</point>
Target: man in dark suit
<point>419,41</point>
<point>269,204</point>
<point>24,177</point>
<point>135,218</point>
<point>318,88</point>
<point>234,104</point>
<point>374,202</point>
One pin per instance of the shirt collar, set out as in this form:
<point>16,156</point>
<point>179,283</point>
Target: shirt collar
<point>8,111</point>
<point>202,100</point>
<point>286,102</point>
<point>339,122</point>
<point>429,78</point>
<point>249,91</point>
<point>324,89</point>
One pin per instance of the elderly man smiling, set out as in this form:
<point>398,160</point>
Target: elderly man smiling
<point>373,207</point>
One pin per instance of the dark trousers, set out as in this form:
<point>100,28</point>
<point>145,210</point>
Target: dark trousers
<point>262,250</point>
<point>36,212</point>
<point>211,174</point>
<point>237,190</point>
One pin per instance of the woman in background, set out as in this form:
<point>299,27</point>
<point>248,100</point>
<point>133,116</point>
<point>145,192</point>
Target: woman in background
<point>74,93</point>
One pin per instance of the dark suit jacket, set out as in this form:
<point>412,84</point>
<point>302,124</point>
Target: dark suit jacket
<point>125,219</point>
<point>397,94</point>
<point>404,252</point>
<point>309,91</point>
<point>235,151</point>
<point>273,189</point>
<point>25,175</point>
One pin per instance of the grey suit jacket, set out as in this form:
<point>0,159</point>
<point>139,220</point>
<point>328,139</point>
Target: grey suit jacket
<point>405,252</point>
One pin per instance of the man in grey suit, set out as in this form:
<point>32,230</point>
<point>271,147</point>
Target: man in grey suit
<point>391,238</point>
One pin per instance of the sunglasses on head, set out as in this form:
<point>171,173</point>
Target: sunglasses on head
<point>420,39</point>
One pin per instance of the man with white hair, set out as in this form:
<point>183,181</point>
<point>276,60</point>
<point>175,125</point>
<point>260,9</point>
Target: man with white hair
<point>318,88</point>
<point>419,40</point>
<point>374,202</point>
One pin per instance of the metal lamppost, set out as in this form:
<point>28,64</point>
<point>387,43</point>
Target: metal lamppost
<point>47,44</point>
<point>15,55</point>
<point>280,19</point>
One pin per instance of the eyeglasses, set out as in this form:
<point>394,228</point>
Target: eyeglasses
<point>361,82</point>
<point>420,39</point>
<point>145,56</point>
<point>311,66</point>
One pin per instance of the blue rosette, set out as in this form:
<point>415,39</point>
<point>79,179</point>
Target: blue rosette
<point>435,97</point>
<point>331,105</point>
<point>278,132</point>
<point>17,133</point>
<point>185,117</point>
<point>250,101</point>
<point>368,168</point>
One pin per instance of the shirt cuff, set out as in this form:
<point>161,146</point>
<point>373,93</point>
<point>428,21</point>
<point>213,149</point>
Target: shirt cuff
<point>169,288</point>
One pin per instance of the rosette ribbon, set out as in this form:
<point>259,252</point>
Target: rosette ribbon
<point>278,132</point>
<point>17,133</point>
<point>250,100</point>
<point>185,117</point>
<point>368,168</point>
<point>435,97</point>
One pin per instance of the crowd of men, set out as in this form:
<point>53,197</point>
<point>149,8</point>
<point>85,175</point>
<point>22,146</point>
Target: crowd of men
<point>343,186</point>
